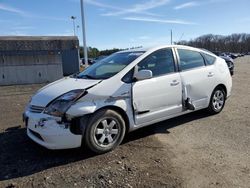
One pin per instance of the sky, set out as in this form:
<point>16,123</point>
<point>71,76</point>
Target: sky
<point>125,23</point>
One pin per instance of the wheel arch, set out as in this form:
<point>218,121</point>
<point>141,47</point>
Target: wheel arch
<point>219,86</point>
<point>223,87</point>
<point>209,108</point>
<point>119,111</point>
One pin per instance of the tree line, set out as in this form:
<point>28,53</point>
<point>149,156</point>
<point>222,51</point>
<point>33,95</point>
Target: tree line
<point>94,52</point>
<point>235,43</point>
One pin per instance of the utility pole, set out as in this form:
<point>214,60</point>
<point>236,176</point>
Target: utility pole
<point>84,35</point>
<point>74,27</point>
<point>79,58</point>
<point>77,30</point>
<point>171,35</point>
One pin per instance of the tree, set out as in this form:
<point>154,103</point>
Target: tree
<point>236,43</point>
<point>109,52</point>
<point>92,52</point>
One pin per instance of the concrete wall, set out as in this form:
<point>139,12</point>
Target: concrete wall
<point>32,59</point>
<point>25,69</point>
<point>38,43</point>
<point>30,74</point>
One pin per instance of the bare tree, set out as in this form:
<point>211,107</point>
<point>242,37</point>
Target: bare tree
<point>237,43</point>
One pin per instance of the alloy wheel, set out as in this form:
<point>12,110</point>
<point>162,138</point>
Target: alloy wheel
<point>218,100</point>
<point>106,132</point>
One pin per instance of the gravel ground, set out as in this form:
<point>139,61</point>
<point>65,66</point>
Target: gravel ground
<point>195,150</point>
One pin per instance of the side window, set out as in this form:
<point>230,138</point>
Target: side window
<point>190,59</point>
<point>160,62</point>
<point>128,78</point>
<point>209,59</point>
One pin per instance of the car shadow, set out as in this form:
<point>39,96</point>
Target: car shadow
<point>165,126</point>
<point>22,157</point>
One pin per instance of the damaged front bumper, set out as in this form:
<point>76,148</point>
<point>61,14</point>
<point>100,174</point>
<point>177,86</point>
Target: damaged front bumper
<point>50,131</point>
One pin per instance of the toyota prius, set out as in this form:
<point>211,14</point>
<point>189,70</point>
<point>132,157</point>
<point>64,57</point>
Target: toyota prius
<point>126,91</point>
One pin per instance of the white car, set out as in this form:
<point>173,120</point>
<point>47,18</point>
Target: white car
<point>126,91</point>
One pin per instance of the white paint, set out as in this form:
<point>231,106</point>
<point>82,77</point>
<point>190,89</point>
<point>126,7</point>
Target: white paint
<point>162,96</point>
<point>55,89</point>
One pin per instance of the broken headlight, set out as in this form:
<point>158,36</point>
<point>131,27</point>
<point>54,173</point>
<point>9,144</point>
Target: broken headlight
<point>61,104</point>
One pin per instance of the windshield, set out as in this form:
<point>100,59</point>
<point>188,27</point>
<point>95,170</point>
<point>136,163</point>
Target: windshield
<point>109,66</point>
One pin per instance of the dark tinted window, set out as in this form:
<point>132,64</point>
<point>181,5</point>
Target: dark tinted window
<point>160,62</point>
<point>128,78</point>
<point>190,59</point>
<point>209,59</point>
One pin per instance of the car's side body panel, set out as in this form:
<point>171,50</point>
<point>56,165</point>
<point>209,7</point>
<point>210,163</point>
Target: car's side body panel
<point>197,86</point>
<point>104,95</point>
<point>157,97</point>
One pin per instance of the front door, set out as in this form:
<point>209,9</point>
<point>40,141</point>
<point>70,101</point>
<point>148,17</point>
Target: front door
<point>161,96</point>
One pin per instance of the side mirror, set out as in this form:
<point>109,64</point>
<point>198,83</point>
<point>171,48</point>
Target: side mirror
<point>143,75</point>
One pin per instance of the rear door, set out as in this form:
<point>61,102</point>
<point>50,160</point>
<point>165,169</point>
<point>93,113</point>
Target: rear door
<point>197,78</point>
<point>160,96</point>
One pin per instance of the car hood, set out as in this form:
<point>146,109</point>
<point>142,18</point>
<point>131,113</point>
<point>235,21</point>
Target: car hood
<point>51,91</point>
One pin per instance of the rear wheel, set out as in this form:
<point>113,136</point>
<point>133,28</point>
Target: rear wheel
<point>105,131</point>
<point>217,101</point>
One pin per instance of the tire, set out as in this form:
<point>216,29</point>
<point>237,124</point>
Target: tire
<point>217,101</point>
<point>105,131</point>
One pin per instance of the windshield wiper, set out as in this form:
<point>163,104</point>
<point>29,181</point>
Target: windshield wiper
<point>87,76</point>
<point>74,75</point>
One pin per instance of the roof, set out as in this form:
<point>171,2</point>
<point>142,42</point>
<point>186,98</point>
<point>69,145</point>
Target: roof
<point>36,38</point>
<point>160,47</point>
<point>31,43</point>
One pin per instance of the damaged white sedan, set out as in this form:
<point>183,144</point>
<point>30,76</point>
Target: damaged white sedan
<point>126,91</point>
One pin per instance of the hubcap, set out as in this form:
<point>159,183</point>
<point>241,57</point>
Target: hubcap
<point>106,132</point>
<point>218,100</point>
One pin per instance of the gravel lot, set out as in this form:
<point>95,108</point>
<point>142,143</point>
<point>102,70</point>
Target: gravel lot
<point>195,150</point>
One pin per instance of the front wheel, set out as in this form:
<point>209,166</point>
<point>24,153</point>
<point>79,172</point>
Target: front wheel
<point>105,131</point>
<point>217,101</point>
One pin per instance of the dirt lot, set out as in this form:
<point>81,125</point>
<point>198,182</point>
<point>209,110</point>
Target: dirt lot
<point>194,150</point>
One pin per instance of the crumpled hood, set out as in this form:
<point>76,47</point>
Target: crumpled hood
<point>58,88</point>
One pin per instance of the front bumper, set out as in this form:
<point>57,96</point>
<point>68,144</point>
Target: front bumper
<point>48,132</point>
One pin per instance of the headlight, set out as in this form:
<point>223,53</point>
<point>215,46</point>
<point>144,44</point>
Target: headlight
<point>61,104</point>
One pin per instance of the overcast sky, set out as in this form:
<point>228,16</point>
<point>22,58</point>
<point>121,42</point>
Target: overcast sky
<point>126,23</point>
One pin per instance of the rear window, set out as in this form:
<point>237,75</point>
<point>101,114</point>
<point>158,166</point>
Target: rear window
<point>190,59</point>
<point>209,59</point>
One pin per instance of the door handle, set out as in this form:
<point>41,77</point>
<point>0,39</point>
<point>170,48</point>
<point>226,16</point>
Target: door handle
<point>174,83</point>
<point>210,74</point>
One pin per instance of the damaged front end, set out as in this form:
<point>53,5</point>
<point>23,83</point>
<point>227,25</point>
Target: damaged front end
<point>61,104</point>
<point>50,127</point>
<point>50,131</point>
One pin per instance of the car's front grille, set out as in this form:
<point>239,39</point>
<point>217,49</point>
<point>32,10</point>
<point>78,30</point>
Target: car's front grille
<point>36,109</point>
